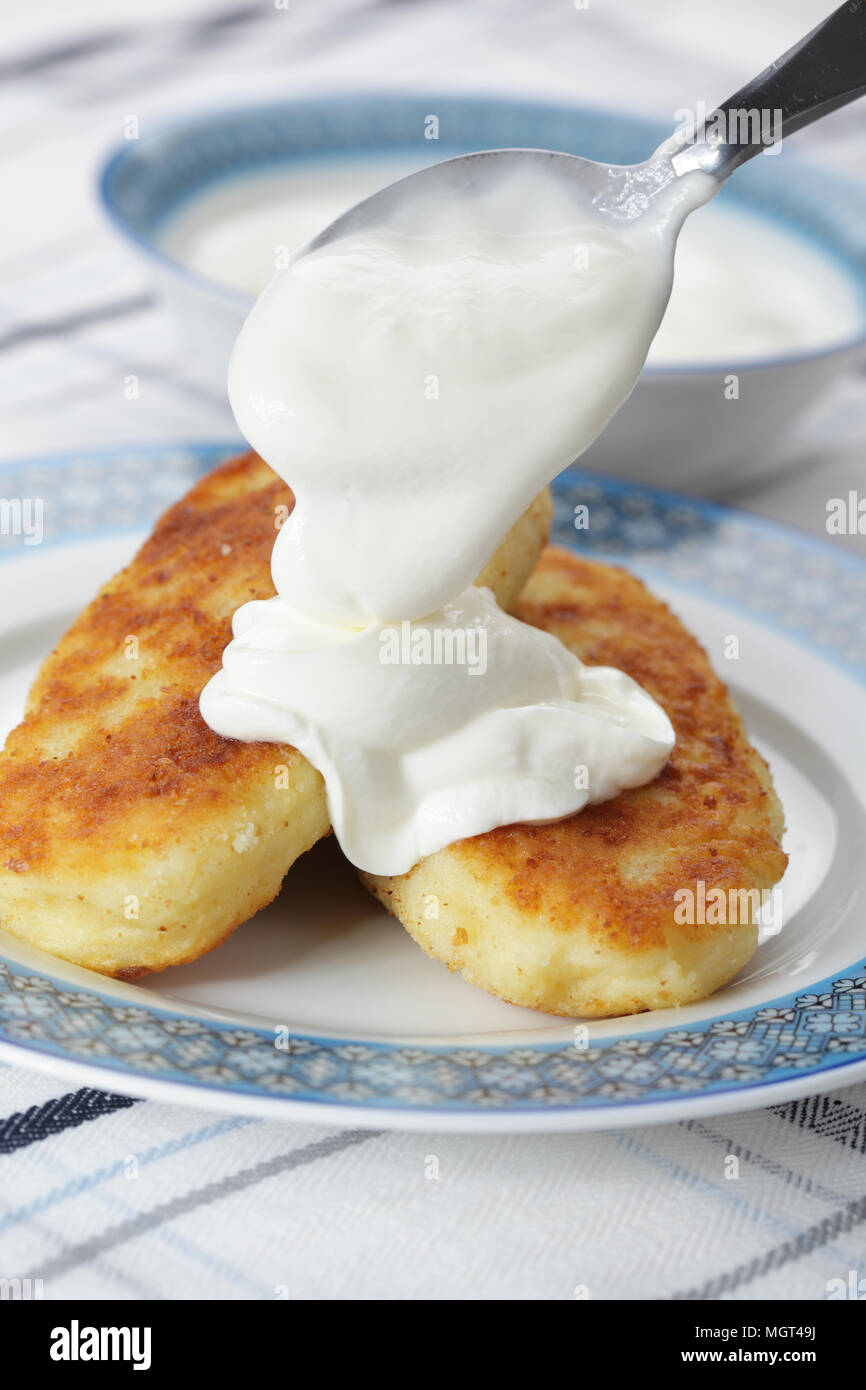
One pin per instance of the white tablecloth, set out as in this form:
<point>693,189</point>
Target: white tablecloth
<point>105,1197</point>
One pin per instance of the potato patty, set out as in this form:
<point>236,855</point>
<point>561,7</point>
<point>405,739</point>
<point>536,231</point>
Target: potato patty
<point>132,837</point>
<point>579,917</point>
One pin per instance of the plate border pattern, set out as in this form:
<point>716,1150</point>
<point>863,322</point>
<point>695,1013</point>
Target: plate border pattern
<point>816,1031</point>
<point>786,583</point>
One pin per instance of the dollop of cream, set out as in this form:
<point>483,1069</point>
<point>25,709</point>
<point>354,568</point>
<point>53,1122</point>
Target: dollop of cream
<point>429,731</point>
<point>416,385</point>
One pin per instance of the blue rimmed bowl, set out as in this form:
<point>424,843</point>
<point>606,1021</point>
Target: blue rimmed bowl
<point>678,428</point>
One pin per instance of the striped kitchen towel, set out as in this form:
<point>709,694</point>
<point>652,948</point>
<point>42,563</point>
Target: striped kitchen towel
<point>107,1197</point>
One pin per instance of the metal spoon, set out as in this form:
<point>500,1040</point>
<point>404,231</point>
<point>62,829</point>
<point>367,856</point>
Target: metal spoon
<point>824,71</point>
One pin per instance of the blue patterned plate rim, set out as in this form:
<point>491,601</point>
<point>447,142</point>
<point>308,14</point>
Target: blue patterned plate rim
<point>702,512</point>
<point>213,451</point>
<point>791,1040</point>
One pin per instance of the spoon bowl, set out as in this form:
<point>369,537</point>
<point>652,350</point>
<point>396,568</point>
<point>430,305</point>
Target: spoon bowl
<point>824,71</point>
<point>620,192</point>
<point>676,429</point>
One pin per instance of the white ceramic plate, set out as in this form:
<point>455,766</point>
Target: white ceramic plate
<point>323,1008</point>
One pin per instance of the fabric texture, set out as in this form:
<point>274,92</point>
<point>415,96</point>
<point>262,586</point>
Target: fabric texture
<point>103,1197</point>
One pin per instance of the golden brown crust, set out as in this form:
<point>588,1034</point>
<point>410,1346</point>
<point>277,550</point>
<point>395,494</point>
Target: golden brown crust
<point>132,837</point>
<point>710,815</point>
<point>98,746</point>
<point>604,880</point>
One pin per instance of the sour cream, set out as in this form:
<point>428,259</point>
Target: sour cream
<point>418,752</point>
<point>416,384</point>
<point>746,288</point>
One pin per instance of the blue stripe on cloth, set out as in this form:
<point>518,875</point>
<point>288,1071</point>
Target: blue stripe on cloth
<point>145,1222</point>
<point>179,1245</point>
<point>746,1209</point>
<point>87,1181</point>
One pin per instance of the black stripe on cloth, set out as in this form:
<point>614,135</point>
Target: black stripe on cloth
<point>789,1176</point>
<point>61,1112</point>
<point>93,45</point>
<point>28,332</point>
<point>838,1223</point>
<point>26,64</point>
<point>828,1116</point>
<point>197,29</point>
<point>96,1246</point>
<point>159,51</point>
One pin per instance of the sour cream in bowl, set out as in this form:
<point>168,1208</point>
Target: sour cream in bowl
<point>769,299</point>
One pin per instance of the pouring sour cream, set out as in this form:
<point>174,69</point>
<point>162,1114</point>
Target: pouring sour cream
<point>416,383</point>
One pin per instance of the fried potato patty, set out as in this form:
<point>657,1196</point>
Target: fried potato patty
<point>578,917</point>
<point>132,837</point>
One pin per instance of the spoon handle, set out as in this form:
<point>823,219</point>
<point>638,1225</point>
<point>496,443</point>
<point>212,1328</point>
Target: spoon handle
<point>822,72</point>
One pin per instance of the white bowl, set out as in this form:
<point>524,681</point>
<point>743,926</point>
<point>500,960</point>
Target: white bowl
<point>677,429</point>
